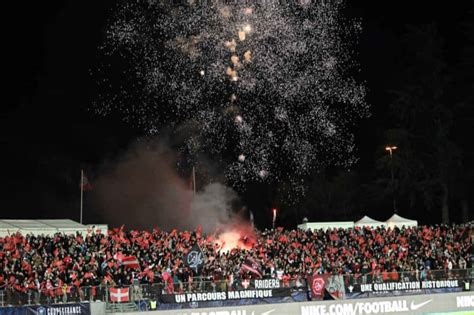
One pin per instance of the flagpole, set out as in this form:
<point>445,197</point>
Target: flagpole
<point>194,181</point>
<point>82,193</point>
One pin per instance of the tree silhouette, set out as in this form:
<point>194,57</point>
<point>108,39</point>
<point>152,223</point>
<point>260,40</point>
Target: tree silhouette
<point>462,87</point>
<point>424,115</point>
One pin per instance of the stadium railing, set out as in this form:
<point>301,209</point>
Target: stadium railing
<point>12,297</point>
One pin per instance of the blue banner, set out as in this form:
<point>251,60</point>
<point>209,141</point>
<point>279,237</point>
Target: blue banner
<point>55,309</point>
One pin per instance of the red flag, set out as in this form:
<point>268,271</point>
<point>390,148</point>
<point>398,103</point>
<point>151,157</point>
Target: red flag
<point>130,262</point>
<point>119,295</point>
<point>85,184</point>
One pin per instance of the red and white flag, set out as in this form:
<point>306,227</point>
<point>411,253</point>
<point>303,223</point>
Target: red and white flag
<point>130,262</point>
<point>119,295</point>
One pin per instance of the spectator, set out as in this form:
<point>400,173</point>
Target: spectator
<point>46,263</point>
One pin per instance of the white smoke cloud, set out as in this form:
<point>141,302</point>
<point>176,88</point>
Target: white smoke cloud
<point>212,207</point>
<point>142,189</point>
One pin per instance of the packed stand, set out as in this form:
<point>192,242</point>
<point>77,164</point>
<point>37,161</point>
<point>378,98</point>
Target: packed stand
<point>55,265</point>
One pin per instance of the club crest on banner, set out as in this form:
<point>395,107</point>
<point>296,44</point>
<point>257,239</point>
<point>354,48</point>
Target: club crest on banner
<point>317,285</point>
<point>194,259</point>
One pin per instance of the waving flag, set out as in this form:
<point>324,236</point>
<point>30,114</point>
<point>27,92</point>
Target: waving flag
<point>85,185</point>
<point>251,265</point>
<point>130,262</point>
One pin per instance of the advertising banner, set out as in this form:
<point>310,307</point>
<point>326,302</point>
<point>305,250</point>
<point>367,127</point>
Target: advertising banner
<point>402,305</point>
<point>55,309</point>
<point>403,288</point>
<point>217,305</point>
<point>225,296</point>
<point>258,291</point>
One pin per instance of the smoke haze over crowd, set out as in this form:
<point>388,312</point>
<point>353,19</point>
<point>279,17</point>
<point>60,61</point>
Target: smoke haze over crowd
<point>143,190</point>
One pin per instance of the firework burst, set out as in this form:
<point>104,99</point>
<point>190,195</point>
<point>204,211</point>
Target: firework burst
<point>266,84</point>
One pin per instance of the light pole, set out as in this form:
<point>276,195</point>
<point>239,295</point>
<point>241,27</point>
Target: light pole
<point>391,149</point>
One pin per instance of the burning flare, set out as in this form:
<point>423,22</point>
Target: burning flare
<point>237,236</point>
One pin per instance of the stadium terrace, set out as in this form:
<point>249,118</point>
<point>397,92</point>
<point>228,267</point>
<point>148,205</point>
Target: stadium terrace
<point>54,265</point>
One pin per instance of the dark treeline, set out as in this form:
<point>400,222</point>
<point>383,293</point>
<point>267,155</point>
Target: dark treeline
<point>422,97</point>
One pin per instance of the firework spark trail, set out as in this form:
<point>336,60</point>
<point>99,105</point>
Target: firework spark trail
<point>267,82</point>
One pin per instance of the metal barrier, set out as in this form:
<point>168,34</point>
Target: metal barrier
<point>12,297</point>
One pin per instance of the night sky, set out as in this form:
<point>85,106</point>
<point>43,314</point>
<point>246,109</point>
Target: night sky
<point>48,132</point>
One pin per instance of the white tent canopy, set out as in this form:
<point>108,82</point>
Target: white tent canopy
<point>398,221</point>
<point>368,221</point>
<point>45,227</point>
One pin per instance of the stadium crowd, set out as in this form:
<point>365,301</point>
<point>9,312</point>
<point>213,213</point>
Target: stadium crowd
<point>53,265</point>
